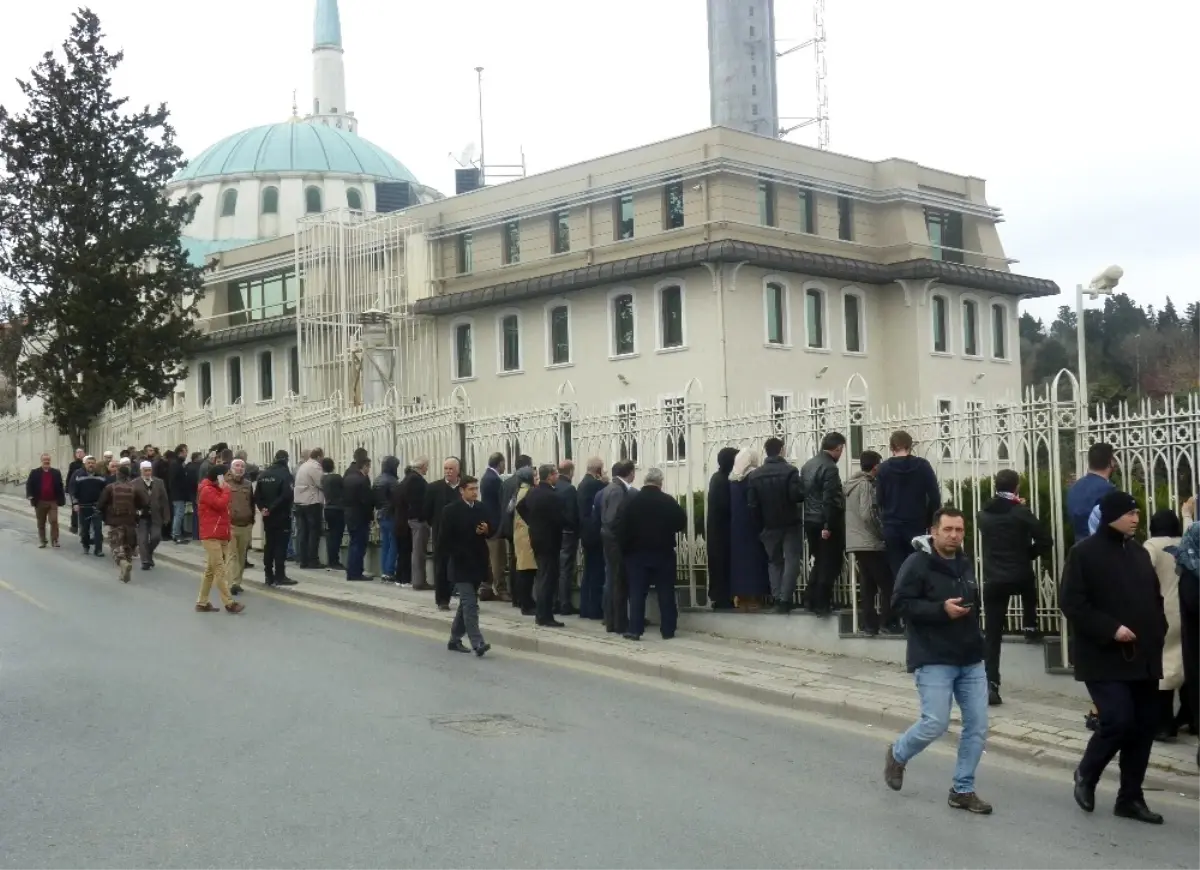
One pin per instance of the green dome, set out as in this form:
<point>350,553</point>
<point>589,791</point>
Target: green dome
<point>295,147</point>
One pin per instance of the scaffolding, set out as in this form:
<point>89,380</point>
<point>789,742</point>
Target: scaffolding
<point>357,335</point>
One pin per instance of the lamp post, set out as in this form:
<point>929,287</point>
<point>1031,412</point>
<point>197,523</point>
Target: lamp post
<point>1102,285</point>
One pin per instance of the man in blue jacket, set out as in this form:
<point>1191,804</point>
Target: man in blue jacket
<point>908,494</point>
<point>1084,495</point>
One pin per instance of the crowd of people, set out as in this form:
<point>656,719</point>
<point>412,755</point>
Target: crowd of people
<point>522,537</point>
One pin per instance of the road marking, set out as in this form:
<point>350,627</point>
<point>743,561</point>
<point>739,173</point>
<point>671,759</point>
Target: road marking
<point>24,596</point>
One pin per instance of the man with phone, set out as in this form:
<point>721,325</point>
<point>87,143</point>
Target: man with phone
<point>937,596</point>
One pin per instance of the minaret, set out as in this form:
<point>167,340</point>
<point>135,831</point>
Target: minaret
<point>741,65</point>
<point>329,72</point>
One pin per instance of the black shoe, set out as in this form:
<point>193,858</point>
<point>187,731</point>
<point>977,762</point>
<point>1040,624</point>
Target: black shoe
<point>100,554</point>
<point>457,646</point>
<point>146,566</point>
<point>994,699</point>
<point>551,623</point>
<point>528,611</point>
<point>285,581</point>
<point>443,607</point>
<point>1085,795</point>
<point>152,563</point>
<point>336,566</point>
<point>1138,811</point>
<point>567,611</point>
<point>362,578</point>
<point>781,608</point>
<point>235,589</point>
<point>387,578</point>
<point>480,650</point>
<point>270,581</point>
<point>248,564</point>
<point>1166,734</point>
<point>629,636</point>
<point>1032,635</point>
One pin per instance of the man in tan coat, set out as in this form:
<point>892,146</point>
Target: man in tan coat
<point>154,516</point>
<point>241,523</point>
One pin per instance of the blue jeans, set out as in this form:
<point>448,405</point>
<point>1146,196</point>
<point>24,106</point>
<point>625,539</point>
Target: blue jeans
<point>387,547</point>
<point>178,512</point>
<point>357,551</point>
<point>938,685</point>
<point>291,541</point>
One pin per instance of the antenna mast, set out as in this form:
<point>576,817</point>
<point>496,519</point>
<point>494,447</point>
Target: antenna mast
<point>821,117</point>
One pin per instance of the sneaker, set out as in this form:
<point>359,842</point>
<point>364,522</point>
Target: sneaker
<point>970,802</point>
<point>893,772</point>
<point>481,650</point>
<point>994,699</point>
<point>387,578</point>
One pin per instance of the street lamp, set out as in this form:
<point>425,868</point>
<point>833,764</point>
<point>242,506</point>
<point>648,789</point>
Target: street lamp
<point>1102,285</point>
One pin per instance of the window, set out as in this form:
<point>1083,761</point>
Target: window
<point>512,242</point>
<point>312,199</point>
<point>266,376</point>
<point>229,203</point>
<point>808,211</point>
<point>814,317</point>
<point>845,218</point>
<point>766,203</point>
<point>940,312</point>
<point>754,108</point>
<point>510,342</point>
<point>858,410</point>
<point>233,369</point>
<point>623,217</point>
<point>780,404</point>
<point>775,302</point>
<point>818,410</point>
<point>262,298</point>
<point>945,408</point>
<point>754,90</point>
<point>999,331</point>
<point>463,259</point>
<point>511,427</point>
<point>560,335</point>
<point>751,31</point>
<point>205,377</point>
<point>974,421</point>
<point>754,69</point>
<point>945,231</point>
<point>464,352</point>
<point>294,370</point>
<point>560,228</point>
<point>673,205</point>
<point>627,442</point>
<point>970,318</point>
<point>624,333</point>
<point>852,317</point>
<point>270,200</point>
<point>1004,431</point>
<point>354,199</point>
<point>670,316</point>
<point>675,426</point>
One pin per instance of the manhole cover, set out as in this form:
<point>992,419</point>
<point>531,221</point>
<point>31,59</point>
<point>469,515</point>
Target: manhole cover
<point>487,724</point>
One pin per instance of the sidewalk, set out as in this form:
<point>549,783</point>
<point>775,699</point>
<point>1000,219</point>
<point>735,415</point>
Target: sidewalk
<point>1041,727</point>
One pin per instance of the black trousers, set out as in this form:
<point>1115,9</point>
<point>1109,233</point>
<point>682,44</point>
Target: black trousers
<point>443,589</point>
<point>546,583</point>
<point>1128,720</point>
<point>335,530</point>
<point>522,586</point>
<point>995,611</point>
<point>616,587</point>
<point>827,565</point>
<point>876,579</point>
<point>275,544</point>
<point>308,534</point>
<point>404,557</point>
<point>1189,613</point>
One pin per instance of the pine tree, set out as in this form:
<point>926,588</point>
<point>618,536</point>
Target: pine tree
<point>96,279</point>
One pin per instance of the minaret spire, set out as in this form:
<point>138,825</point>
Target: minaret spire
<point>329,73</point>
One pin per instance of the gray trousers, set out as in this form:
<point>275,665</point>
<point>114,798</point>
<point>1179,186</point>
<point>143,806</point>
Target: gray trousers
<point>420,545</point>
<point>785,553</point>
<point>568,559</point>
<point>149,535</point>
<point>466,618</point>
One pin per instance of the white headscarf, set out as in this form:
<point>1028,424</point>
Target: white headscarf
<point>746,461</point>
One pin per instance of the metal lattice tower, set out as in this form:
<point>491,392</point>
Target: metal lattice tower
<point>820,116</point>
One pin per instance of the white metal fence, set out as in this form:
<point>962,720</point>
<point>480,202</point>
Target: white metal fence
<point>1044,436</point>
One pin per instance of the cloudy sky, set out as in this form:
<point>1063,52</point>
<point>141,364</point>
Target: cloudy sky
<point>1073,110</point>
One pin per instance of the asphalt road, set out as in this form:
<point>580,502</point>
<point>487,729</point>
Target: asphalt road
<point>135,732</point>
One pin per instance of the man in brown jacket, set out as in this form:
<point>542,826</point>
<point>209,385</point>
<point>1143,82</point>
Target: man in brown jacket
<point>241,523</point>
<point>120,504</point>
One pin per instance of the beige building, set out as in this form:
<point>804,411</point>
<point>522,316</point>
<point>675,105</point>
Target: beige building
<point>759,271</point>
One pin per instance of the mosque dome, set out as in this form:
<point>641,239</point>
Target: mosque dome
<point>294,148</point>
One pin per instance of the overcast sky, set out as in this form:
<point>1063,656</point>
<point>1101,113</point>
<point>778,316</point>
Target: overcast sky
<point>1074,111</point>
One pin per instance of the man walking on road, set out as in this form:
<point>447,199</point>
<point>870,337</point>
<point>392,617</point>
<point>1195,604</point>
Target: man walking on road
<point>89,485</point>
<point>542,511</point>
<point>308,502</point>
<point>1110,593</point>
<point>463,531</point>
<point>154,516</point>
<point>935,593</point>
<point>773,497</point>
<point>120,504</point>
<point>46,493</point>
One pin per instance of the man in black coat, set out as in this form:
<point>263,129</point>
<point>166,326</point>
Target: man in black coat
<point>591,587</point>
<point>648,536</point>
<point>463,531</point>
<point>358,507</point>
<point>438,495</point>
<point>490,487</point>
<point>1111,596</point>
<point>1012,539</point>
<point>412,541</point>
<point>273,493</point>
<point>824,521</point>
<point>73,469</point>
<point>568,561</point>
<point>774,496</point>
<point>46,493</point>
<point>542,511</point>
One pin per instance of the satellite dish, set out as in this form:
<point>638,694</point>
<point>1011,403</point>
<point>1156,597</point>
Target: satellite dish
<point>468,154</point>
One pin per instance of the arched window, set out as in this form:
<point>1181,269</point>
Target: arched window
<point>312,200</point>
<point>270,200</point>
<point>970,326</point>
<point>354,199</point>
<point>229,203</point>
<point>939,308</point>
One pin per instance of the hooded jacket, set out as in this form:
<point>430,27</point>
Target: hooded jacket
<point>863,529</point>
<point>385,482</point>
<point>925,583</point>
<point>908,494</point>
<point>1012,537</point>
<point>1082,498</point>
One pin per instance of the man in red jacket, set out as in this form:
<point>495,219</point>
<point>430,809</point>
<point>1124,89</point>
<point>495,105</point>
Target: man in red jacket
<point>213,497</point>
<point>44,489</point>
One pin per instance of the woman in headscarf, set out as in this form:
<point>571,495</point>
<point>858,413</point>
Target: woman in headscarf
<point>748,581</point>
<point>717,531</point>
<point>1165,534</point>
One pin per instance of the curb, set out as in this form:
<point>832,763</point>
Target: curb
<point>830,703</point>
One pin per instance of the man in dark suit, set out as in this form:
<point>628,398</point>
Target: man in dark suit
<point>46,493</point>
<point>438,495</point>
<point>613,502</point>
<point>569,556</point>
<point>648,534</point>
<point>591,587</point>
<point>542,511</point>
<point>490,488</point>
<point>273,492</point>
<point>463,531</point>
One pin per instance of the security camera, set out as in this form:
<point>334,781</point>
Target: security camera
<point>1107,280</point>
<point>697,187</point>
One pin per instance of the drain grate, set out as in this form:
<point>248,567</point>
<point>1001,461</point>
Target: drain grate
<point>488,724</point>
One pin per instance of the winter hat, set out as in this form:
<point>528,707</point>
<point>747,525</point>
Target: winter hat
<point>1115,505</point>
